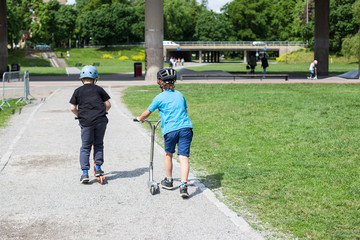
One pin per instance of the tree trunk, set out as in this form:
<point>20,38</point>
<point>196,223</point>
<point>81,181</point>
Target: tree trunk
<point>3,38</point>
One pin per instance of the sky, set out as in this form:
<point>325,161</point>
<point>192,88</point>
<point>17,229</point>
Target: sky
<point>214,5</point>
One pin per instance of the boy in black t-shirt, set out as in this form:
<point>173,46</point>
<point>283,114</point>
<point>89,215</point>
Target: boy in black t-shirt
<point>90,104</point>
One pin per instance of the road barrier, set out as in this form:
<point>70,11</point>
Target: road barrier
<point>15,86</point>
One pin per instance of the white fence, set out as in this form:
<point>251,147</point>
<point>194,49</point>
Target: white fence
<point>15,86</point>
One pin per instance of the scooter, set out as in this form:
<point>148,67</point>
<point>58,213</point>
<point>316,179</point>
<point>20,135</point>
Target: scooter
<point>154,187</point>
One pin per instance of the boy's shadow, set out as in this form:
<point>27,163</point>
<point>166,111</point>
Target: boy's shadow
<point>209,181</point>
<point>109,176</point>
<point>126,174</point>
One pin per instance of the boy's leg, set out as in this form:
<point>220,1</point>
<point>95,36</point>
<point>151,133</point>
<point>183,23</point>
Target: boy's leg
<point>168,164</point>
<point>185,138</point>
<point>87,139</point>
<point>170,140</point>
<point>100,129</point>
<point>184,168</point>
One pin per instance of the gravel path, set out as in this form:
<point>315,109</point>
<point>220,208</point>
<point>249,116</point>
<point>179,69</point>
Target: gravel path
<point>41,196</point>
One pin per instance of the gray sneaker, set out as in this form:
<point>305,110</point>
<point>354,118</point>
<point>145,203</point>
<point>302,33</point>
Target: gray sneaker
<point>183,192</point>
<point>84,178</point>
<point>167,184</point>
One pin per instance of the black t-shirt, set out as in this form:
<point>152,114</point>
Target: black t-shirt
<point>90,100</point>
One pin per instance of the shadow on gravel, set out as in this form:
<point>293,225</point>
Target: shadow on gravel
<point>209,181</point>
<point>125,174</point>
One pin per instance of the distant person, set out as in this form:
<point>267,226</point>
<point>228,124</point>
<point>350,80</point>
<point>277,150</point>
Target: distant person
<point>176,127</point>
<point>313,70</point>
<point>90,104</point>
<point>252,63</point>
<point>182,61</point>
<point>264,63</point>
<point>171,62</point>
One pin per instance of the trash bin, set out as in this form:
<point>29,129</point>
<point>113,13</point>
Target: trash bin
<point>137,69</point>
<point>15,67</point>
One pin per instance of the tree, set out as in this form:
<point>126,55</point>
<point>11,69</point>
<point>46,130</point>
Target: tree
<point>45,27</point>
<point>13,24</point>
<point>65,20</point>
<point>249,18</point>
<point>281,18</point>
<point>22,15</point>
<point>343,22</point>
<point>108,25</point>
<point>137,28</point>
<point>212,26</point>
<point>179,19</point>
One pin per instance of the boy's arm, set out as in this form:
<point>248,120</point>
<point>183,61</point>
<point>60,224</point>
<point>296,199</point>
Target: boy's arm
<point>107,105</point>
<point>73,108</point>
<point>144,115</point>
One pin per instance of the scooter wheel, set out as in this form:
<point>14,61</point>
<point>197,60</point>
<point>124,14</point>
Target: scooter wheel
<point>152,190</point>
<point>102,179</point>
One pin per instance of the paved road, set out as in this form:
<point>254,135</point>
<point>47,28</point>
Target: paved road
<point>40,193</point>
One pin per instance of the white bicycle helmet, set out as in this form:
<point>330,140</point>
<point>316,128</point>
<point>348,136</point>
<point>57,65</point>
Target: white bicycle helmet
<point>89,71</point>
<point>167,75</point>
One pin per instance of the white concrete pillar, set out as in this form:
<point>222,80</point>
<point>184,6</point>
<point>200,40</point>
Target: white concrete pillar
<point>154,36</point>
<point>245,56</point>
<point>321,48</point>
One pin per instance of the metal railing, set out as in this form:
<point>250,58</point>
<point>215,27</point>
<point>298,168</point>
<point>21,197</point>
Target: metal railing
<point>242,43</point>
<point>11,91</point>
<point>215,43</point>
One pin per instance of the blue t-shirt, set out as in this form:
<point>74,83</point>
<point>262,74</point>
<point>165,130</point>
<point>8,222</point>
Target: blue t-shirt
<point>172,108</point>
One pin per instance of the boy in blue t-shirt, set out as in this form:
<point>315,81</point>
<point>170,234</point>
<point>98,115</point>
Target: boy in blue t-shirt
<point>176,127</point>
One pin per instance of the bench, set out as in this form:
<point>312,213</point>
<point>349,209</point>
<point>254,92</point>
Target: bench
<point>32,64</point>
<point>257,75</point>
<point>78,64</point>
<point>96,64</point>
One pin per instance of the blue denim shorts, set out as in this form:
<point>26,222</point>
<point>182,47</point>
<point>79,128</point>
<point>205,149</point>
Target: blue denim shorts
<point>182,138</point>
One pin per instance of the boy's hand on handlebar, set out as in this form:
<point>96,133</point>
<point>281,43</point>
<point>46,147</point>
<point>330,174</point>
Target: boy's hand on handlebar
<point>137,119</point>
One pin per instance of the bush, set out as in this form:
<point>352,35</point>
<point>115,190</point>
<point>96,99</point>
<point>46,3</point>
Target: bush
<point>139,57</point>
<point>123,58</point>
<point>350,47</point>
<point>107,56</point>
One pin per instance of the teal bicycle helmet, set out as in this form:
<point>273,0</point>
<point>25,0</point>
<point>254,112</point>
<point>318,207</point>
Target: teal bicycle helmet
<point>89,71</point>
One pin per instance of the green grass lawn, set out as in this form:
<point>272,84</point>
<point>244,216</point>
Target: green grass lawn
<point>334,68</point>
<point>6,113</point>
<point>287,153</point>
<point>111,60</point>
<point>122,59</point>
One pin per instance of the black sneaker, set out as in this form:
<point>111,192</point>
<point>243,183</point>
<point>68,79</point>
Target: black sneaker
<point>183,192</point>
<point>167,184</point>
<point>98,173</point>
<point>84,178</point>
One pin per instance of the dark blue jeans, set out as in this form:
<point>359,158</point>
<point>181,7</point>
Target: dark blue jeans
<point>93,135</point>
